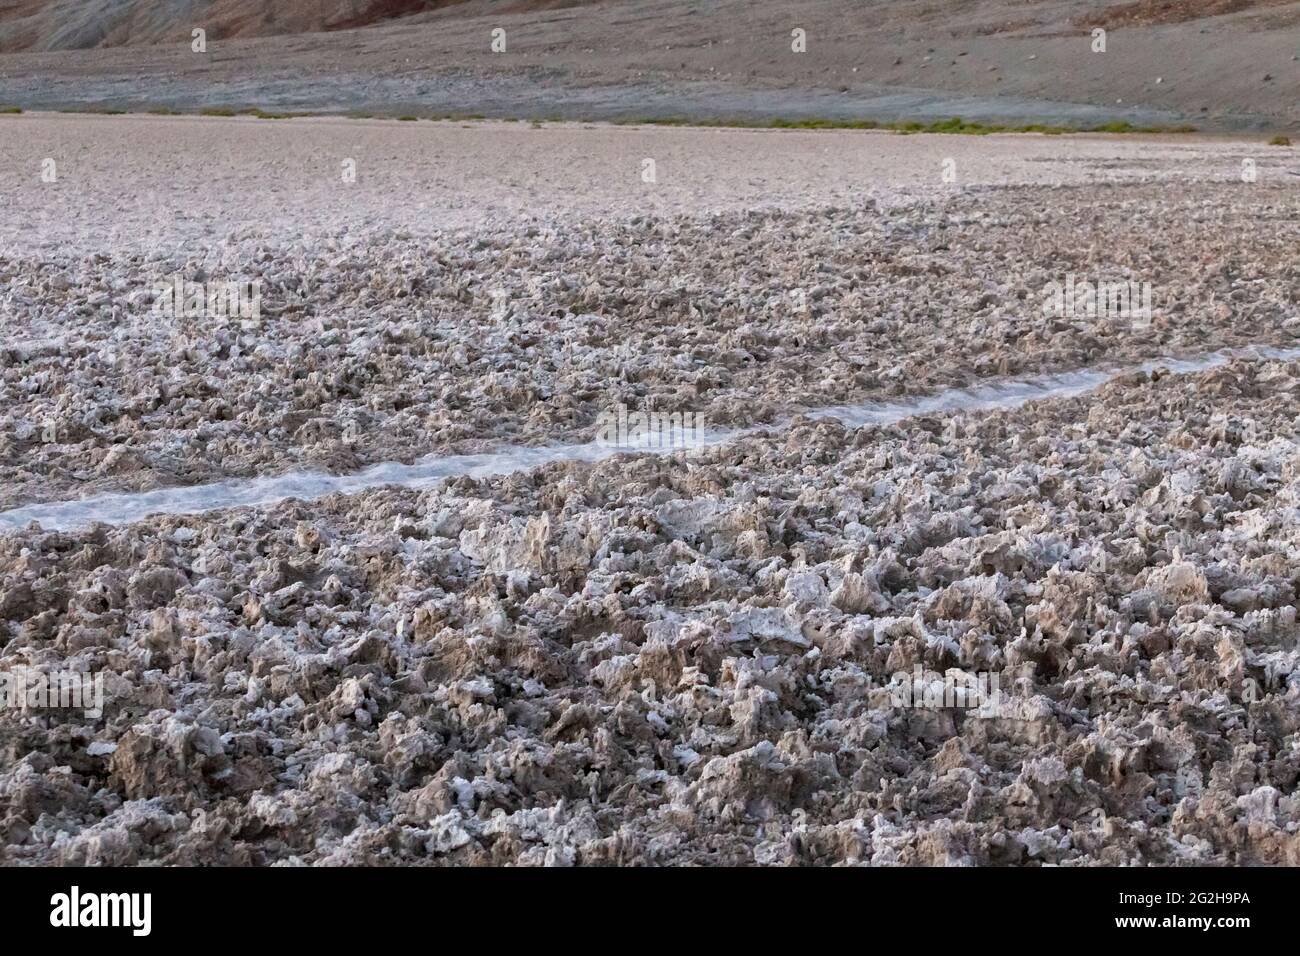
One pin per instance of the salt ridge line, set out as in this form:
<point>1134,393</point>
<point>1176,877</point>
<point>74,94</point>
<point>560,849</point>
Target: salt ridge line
<point>119,509</point>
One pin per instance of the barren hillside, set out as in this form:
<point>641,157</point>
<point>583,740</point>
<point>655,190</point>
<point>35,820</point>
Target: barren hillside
<point>85,24</point>
<point>1230,65</point>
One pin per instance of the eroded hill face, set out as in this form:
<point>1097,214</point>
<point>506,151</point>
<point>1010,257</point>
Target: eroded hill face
<point>43,25</point>
<point>1146,12</point>
<point>1223,65</point>
<point>46,25</point>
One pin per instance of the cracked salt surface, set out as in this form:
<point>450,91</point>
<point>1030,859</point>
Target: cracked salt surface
<point>119,509</point>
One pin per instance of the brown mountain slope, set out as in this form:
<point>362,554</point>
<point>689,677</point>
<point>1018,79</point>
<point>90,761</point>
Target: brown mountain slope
<point>48,25</point>
<point>45,25</point>
<point>378,11</point>
<point>999,61</point>
<point>1146,12</point>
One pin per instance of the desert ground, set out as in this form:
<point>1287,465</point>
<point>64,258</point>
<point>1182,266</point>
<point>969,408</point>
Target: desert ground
<point>692,656</point>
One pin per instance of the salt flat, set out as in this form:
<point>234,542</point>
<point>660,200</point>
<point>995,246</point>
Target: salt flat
<point>492,282</point>
<point>727,656</point>
<point>129,183</point>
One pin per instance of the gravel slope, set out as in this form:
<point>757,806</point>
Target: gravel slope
<point>1012,61</point>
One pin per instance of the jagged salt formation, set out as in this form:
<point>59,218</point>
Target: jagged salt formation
<point>380,347</point>
<point>689,660</point>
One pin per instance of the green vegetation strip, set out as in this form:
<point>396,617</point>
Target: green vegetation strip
<point>954,125</point>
